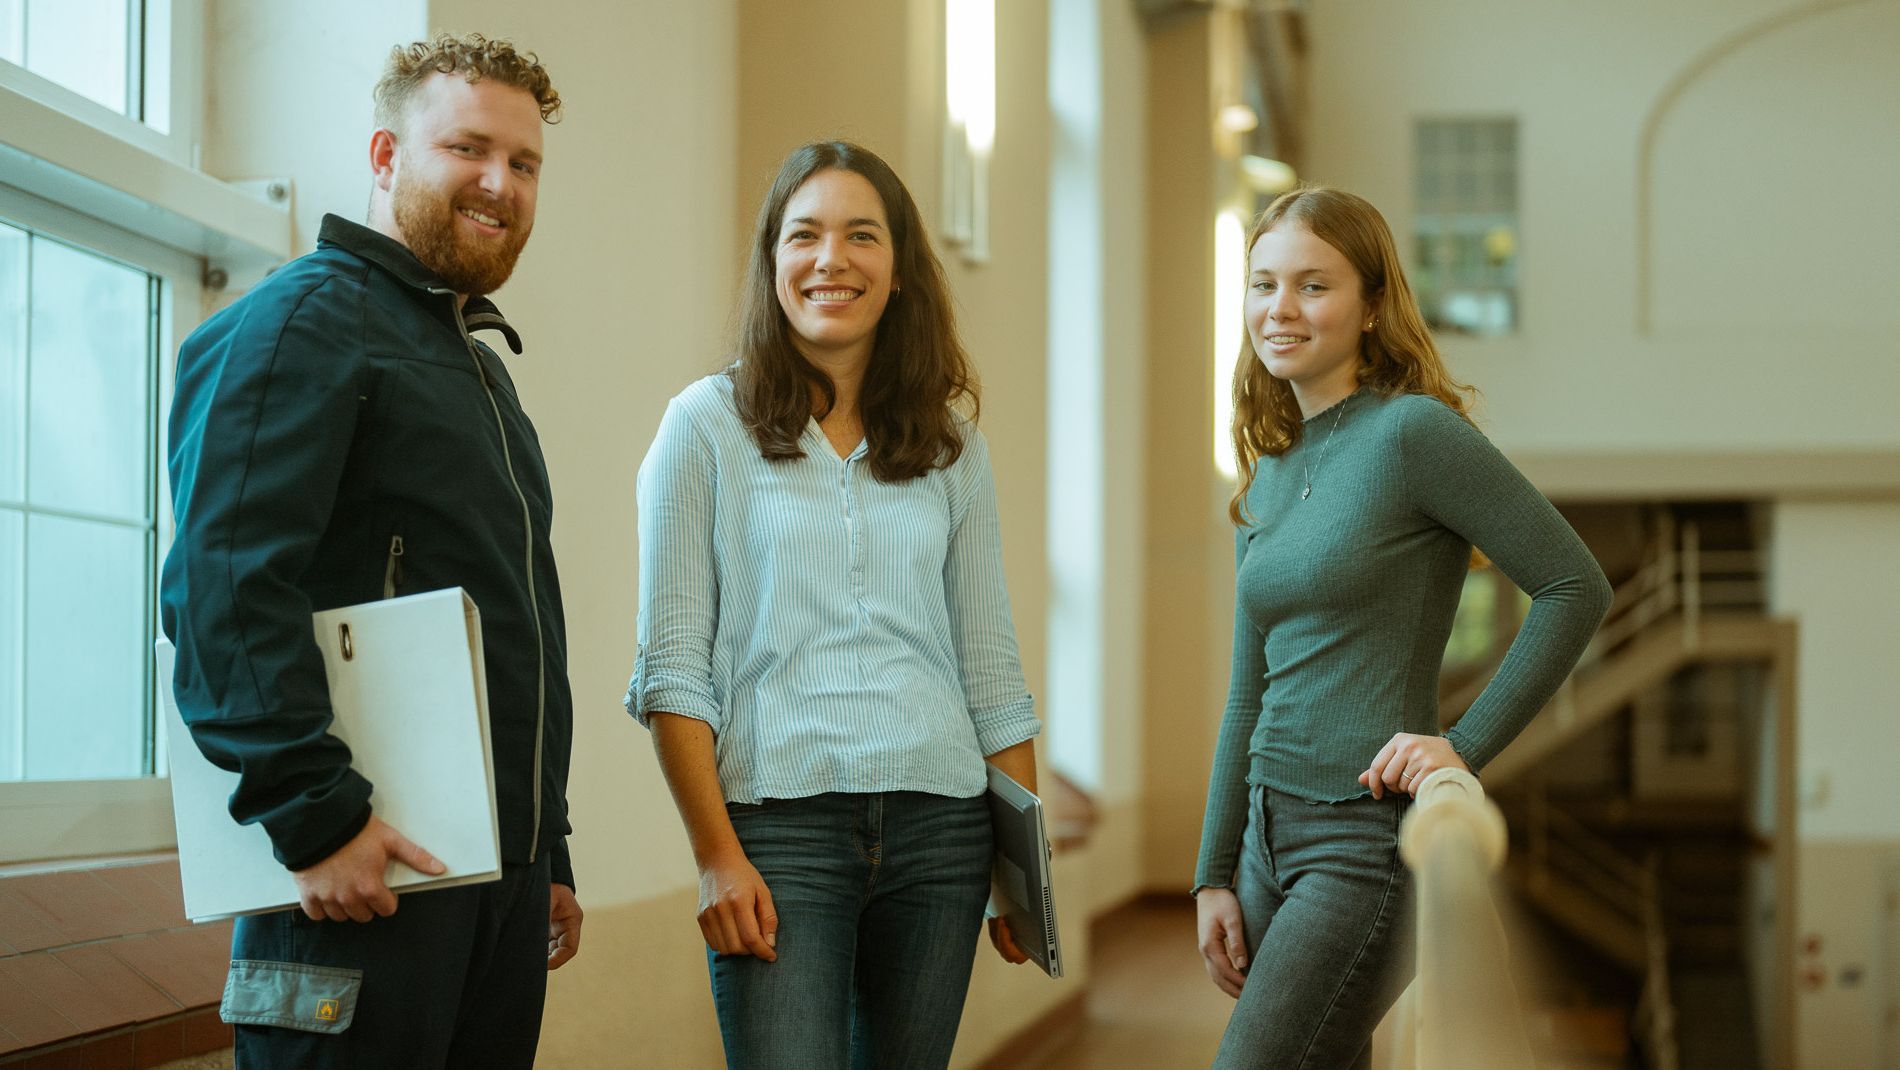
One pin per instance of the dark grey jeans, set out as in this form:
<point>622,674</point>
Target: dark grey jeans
<point>1328,910</point>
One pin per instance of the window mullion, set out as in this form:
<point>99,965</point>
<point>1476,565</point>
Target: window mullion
<point>135,59</point>
<point>153,327</point>
<point>21,689</point>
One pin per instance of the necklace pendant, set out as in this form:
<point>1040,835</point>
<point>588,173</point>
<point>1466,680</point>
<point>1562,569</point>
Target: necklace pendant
<point>1307,493</point>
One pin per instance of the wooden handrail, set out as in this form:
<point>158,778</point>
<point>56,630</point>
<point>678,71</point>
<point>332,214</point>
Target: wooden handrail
<point>1462,1008</point>
<point>1657,1006</point>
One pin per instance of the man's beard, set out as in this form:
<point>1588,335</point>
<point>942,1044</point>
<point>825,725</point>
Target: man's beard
<point>467,263</point>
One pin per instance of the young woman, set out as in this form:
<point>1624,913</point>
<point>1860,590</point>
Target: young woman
<point>1363,489</point>
<point>826,654</point>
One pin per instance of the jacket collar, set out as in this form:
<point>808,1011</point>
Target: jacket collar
<point>479,313</point>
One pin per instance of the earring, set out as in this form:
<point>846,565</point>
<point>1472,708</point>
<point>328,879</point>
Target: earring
<point>1371,321</point>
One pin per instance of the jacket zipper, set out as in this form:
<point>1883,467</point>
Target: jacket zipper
<point>392,572</point>
<point>527,525</point>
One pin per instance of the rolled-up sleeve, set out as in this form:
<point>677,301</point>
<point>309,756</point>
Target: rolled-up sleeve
<point>679,584</point>
<point>988,660</point>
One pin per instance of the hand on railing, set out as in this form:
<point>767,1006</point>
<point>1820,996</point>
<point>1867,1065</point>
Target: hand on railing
<point>1406,760</point>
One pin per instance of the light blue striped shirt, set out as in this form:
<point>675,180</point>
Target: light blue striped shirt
<point>837,632</point>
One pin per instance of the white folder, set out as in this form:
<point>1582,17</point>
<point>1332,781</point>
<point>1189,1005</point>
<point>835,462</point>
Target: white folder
<point>408,693</point>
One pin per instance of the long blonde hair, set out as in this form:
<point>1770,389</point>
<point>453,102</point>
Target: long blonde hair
<point>1396,357</point>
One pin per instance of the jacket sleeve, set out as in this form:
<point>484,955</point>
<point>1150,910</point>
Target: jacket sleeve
<point>561,865</point>
<point>264,411</point>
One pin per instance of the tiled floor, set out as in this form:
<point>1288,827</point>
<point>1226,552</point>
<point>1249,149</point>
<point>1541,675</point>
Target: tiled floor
<point>1150,1006</point>
<point>105,953</point>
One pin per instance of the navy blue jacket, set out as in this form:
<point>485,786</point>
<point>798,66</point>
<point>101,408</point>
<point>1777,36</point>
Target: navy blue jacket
<point>337,436</point>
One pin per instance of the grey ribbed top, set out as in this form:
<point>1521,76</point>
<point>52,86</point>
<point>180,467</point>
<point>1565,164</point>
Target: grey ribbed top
<point>1344,602</point>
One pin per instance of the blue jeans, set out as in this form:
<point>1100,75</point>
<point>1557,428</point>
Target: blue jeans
<point>880,901</point>
<point>1327,905</point>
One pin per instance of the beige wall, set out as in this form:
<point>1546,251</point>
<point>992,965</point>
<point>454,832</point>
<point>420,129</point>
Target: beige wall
<point>1833,570</point>
<point>1189,568</point>
<point>287,95</point>
<point>1772,231</point>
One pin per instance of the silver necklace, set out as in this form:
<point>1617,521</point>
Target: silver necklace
<point>1339,411</point>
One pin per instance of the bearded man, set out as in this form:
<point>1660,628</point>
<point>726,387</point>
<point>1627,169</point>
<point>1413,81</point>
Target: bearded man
<point>339,435</point>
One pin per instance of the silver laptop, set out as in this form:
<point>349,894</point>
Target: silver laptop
<point>1022,878</point>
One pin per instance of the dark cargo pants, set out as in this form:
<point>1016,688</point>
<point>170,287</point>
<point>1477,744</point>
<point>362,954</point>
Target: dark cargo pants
<point>455,977</point>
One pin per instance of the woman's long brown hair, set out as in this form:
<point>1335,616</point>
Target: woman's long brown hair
<point>919,377</point>
<point>1396,357</point>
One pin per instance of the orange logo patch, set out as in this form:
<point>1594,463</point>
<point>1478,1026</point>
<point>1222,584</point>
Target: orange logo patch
<point>326,1010</point>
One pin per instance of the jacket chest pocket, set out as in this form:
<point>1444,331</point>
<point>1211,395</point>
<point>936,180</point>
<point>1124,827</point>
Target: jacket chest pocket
<point>392,567</point>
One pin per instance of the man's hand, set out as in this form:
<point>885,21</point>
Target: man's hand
<point>1406,760</point>
<point>564,925</point>
<point>736,915</point>
<point>349,884</point>
<point>1222,938</point>
<point>1004,942</point>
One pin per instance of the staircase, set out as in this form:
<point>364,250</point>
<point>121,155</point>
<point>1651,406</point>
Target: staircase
<point>1604,685</point>
<point>1683,606</point>
<point>1660,901</point>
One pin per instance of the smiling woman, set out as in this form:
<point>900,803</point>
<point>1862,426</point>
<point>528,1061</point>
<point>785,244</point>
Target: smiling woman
<point>826,654</point>
<point>1363,489</point>
<point>914,376</point>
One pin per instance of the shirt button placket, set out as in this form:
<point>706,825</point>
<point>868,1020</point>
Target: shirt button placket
<point>854,526</point>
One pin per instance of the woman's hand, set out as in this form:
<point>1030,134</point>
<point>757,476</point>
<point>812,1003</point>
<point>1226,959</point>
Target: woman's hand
<point>1404,763</point>
<point>1004,942</point>
<point>1222,939</point>
<point>736,915</point>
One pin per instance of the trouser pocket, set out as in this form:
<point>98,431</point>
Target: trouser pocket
<point>315,999</point>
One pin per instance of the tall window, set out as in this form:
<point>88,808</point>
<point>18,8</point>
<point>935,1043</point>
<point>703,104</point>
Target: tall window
<point>114,52</point>
<point>1465,227</point>
<point>79,343</point>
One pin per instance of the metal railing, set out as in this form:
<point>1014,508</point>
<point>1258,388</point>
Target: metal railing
<point>1677,576</point>
<point>1565,853</point>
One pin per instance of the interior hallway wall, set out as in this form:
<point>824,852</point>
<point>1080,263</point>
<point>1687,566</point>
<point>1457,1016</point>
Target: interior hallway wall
<point>287,95</point>
<point>1189,543</point>
<point>1833,569</point>
<point>1774,239</point>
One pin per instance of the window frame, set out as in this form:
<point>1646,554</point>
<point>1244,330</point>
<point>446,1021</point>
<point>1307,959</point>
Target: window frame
<point>178,142</point>
<point>1438,219</point>
<point>45,819</point>
<point>79,172</point>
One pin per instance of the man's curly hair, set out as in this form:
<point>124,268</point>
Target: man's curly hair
<point>473,56</point>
